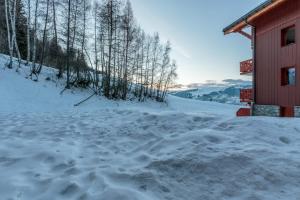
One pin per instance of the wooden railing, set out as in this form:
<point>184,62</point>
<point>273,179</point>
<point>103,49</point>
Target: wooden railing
<point>246,67</point>
<point>246,95</point>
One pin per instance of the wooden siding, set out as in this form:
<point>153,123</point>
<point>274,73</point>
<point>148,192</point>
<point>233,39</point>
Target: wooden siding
<point>271,56</point>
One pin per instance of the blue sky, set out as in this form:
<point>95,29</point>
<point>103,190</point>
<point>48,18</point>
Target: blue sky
<point>194,28</point>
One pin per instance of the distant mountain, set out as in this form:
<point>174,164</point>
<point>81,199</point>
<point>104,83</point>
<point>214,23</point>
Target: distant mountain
<point>228,91</point>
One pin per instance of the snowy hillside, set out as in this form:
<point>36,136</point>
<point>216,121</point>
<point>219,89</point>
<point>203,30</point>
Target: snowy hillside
<point>114,150</point>
<point>227,91</point>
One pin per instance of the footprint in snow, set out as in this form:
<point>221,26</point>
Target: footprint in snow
<point>69,190</point>
<point>285,140</point>
<point>72,171</point>
<point>213,139</point>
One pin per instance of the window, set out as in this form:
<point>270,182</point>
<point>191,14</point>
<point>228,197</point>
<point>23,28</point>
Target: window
<point>288,76</point>
<point>288,36</point>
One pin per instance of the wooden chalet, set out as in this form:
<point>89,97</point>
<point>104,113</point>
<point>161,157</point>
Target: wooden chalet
<point>275,65</point>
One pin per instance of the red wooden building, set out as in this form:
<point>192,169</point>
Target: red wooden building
<point>275,65</point>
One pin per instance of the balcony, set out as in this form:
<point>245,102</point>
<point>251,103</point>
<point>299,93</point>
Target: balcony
<point>243,112</point>
<point>246,95</point>
<point>246,67</point>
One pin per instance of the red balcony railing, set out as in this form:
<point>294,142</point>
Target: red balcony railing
<point>246,95</point>
<point>243,112</point>
<point>246,67</point>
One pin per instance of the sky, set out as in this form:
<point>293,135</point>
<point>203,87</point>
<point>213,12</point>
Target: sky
<point>194,28</point>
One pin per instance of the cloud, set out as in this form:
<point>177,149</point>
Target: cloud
<point>180,50</point>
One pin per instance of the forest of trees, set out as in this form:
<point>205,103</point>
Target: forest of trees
<point>92,44</point>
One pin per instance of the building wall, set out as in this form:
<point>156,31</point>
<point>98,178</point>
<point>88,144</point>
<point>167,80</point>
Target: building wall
<point>271,56</point>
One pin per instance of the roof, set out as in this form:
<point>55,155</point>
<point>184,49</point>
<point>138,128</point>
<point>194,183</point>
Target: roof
<point>242,22</point>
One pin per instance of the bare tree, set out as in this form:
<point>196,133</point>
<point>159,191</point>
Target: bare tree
<point>68,44</point>
<point>13,28</point>
<point>171,76</point>
<point>38,71</point>
<point>128,28</point>
<point>96,7</point>
<point>56,50</point>
<point>35,37</point>
<point>155,53</point>
<point>109,18</point>
<point>28,30</point>
<point>163,71</point>
<point>10,45</point>
<point>132,63</point>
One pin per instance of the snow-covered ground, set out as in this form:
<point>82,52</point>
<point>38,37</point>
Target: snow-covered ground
<point>226,91</point>
<point>114,150</point>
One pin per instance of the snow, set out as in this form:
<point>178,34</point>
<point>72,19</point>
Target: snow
<point>199,89</point>
<point>116,150</point>
<point>226,91</point>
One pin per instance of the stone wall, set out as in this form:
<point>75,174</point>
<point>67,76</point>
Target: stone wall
<point>297,111</point>
<point>267,110</point>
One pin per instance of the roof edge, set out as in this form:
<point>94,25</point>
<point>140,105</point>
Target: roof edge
<point>242,22</point>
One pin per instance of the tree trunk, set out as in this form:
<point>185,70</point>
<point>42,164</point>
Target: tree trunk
<point>74,25</point>
<point>34,37</point>
<point>60,68</point>
<point>13,28</point>
<point>107,91</point>
<point>10,46</point>
<point>44,39</point>
<point>68,45</point>
<point>28,31</point>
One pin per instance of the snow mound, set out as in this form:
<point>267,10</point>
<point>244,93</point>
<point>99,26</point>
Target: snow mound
<point>20,94</point>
